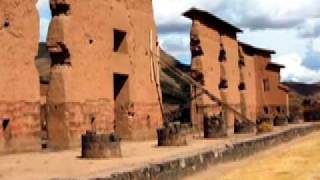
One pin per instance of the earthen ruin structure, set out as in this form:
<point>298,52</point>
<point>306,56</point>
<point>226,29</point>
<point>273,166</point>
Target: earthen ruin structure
<point>271,97</point>
<point>215,56</point>
<point>19,81</point>
<point>103,75</point>
<point>104,71</point>
<point>241,75</point>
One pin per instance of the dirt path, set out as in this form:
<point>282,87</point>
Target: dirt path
<point>297,160</point>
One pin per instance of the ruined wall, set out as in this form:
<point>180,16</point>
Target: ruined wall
<point>277,100</point>
<point>248,77</point>
<point>86,59</point>
<point>206,63</point>
<point>146,96</point>
<point>232,72</point>
<point>269,100</point>
<point>19,82</point>
<point>260,67</point>
<point>206,46</point>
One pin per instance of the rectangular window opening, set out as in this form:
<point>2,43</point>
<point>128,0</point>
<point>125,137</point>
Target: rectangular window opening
<point>266,85</point>
<point>242,86</point>
<point>223,85</point>
<point>120,41</point>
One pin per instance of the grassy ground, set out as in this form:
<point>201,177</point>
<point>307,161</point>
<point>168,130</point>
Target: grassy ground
<point>298,160</point>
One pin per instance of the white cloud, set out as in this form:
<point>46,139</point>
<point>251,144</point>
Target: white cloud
<point>178,47</point>
<point>273,24</point>
<point>310,28</point>
<point>42,3</point>
<point>44,25</point>
<point>274,14</point>
<point>295,71</point>
<point>316,44</point>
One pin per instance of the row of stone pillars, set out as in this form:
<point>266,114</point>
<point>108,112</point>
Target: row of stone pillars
<point>96,146</point>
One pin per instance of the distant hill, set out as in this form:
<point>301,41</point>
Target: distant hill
<point>304,89</point>
<point>299,92</point>
<point>174,90</point>
<point>43,63</point>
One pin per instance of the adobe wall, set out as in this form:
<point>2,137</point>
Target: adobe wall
<point>273,98</point>
<point>260,66</point>
<point>276,97</point>
<point>213,71</point>
<point>184,165</point>
<point>19,82</point>
<point>208,65</point>
<point>146,96</point>
<point>81,93</point>
<point>249,76</point>
<point>232,75</point>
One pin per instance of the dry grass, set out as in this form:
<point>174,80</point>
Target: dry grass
<point>265,127</point>
<point>298,160</point>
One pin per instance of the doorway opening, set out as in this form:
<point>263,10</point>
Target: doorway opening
<point>121,104</point>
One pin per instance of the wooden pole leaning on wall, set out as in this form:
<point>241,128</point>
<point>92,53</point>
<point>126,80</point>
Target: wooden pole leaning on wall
<point>185,77</point>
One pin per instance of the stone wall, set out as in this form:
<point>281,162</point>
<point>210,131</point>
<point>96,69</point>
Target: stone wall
<point>19,81</point>
<point>183,166</point>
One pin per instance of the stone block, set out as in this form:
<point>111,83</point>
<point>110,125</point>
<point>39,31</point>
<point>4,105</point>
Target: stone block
<point>100,146</point>
<point>172,134</point>
<point>280,121</point>
<point>244,127</point>
<point>214,127</point>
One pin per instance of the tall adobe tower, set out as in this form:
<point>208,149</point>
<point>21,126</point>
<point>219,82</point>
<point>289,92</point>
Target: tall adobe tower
<point>19,82</point>
<point>215,61</point>
<point>104,72</point>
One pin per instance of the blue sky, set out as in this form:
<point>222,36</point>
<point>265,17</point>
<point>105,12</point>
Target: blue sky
<point>292,28</point>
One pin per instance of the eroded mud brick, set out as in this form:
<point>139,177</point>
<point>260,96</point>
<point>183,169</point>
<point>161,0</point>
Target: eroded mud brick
<point>103,52</point>
<point>19,81</point>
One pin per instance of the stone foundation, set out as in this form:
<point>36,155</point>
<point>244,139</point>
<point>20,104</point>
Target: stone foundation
<point>100,146</point>
<point>67,122</point>
<point>199,111</point>
<point>20,127</point>
<point>244,127</point>
<point>214,127</point>
<point>293,120</point>
<point>179,167</point>
<point>280,121</point>
<point>173,134</point>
